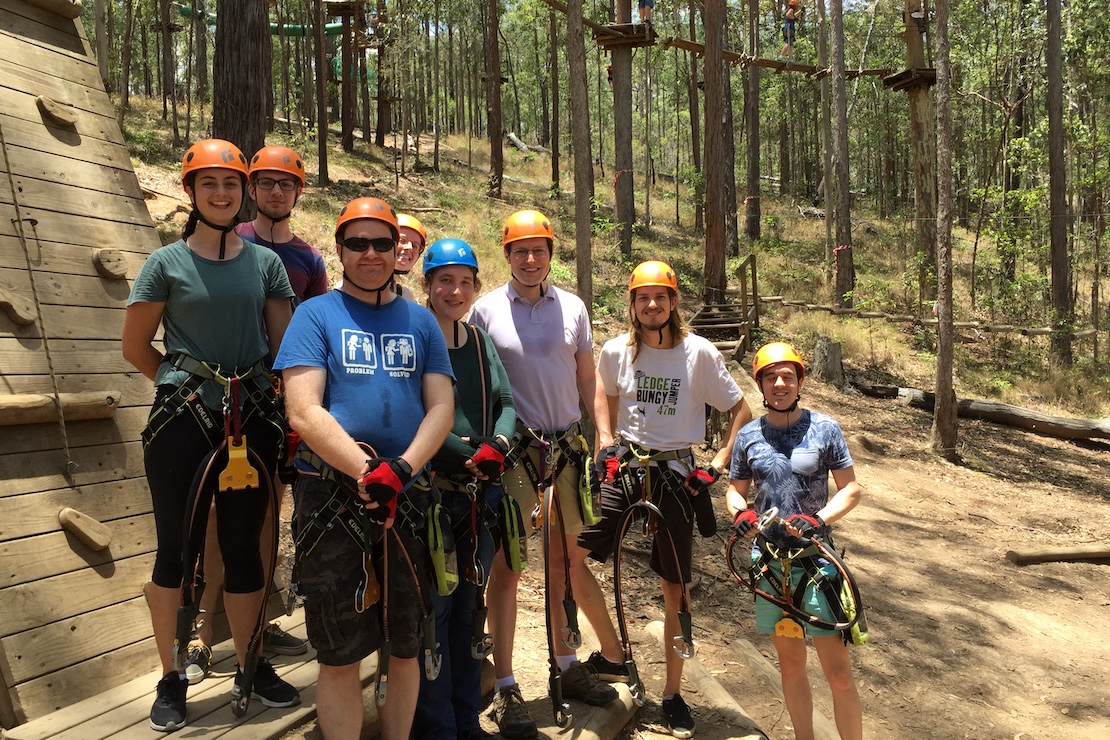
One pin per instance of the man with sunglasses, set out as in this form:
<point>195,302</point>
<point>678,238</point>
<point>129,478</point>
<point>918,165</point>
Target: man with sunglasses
<point>362,365</point>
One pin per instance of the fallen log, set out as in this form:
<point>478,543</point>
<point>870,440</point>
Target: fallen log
<point>1058,554</point>
<point>703,684</point>
<point>1058,427</point>
<point>519,144</point>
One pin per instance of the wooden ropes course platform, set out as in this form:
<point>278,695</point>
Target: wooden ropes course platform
<point>744,61</point>
<point>616,34</point>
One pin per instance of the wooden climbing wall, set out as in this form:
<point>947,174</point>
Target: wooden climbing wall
<point>74,231</point>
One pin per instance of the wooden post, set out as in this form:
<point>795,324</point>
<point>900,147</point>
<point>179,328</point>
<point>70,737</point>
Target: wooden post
<point>923,146</point>
<point>623,176</point>
<point>828,364</point>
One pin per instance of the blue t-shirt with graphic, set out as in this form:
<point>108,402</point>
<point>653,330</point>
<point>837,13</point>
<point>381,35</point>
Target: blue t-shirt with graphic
<point>375,359</point>
<point>789,468</point>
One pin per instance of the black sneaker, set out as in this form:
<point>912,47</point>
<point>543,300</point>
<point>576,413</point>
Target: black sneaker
<point>268,686</point>
<point>278,641</point>
<point>608,670</point>
<point>511,716</point>
<point>580,682</point>
<point>678,716</point>
<point>168,712</point>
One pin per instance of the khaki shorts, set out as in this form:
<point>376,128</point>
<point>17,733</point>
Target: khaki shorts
<point>518,484</point>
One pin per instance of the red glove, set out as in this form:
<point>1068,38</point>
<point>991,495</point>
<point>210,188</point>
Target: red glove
<point>608,464</point>
<point>745,522</point>
<point>385,480</point>
<point>287,471</point>
<point>489,460</point>
<point>807,525</point>
<point>700,479</point>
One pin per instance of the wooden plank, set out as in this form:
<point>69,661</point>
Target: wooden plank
<point>57,168</point>
<point>708,688</point>
<point>70,322</point>
<point>44,471</point>
<point>35,70</point>
<point>79,201</point>
<point>37,513</point>
<point>86,231</point>
<point>23,105</point>
<point>62,257</point>
<point>46,29</point>
<point>823,729</point>
<point>45,555</point>
<point>126,426</point>
<point>31,605</point>
<point>67,142</point>
<point>46,694</point>
<point>38,408</point>
<point>68,356</point>
<point>137,390</point>
<point>52,647</point>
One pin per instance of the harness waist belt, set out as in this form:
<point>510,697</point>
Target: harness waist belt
<point>193,366</point>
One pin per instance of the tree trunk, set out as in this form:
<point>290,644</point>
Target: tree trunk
<point>348,74</point>
<point>169,86</point>
<point>845,263</point>
<point>713,20</point>
<point>125,62</point>
<point>201,31</point>
<point>826,139</point>
<point>321,94</point>
<point>437,116</point>
<point>945,414</point>
<point>752,209</point>
<point>732,238</point>
<point>583,164</point>
<point>1057,184</point>
<point>494,129</point>
<point>243,52</point>
<point>384,124</point>
<point>554,143</point>
<point>99,12</point>
<point>624,175</point>
<point>923,144</point>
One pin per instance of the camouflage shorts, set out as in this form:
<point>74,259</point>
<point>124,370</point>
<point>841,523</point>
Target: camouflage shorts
<point>330,575</point>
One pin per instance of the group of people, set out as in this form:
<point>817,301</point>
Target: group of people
<point>426,438</point>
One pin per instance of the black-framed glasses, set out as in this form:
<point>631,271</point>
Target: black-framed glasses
<point>266,183</point>
<point>361,244</point>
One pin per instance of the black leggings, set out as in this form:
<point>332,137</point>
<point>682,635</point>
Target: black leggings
<point>172,459</point>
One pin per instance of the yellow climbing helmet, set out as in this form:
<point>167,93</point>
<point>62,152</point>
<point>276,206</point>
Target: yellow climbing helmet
<point>405,220</point>
<point>769,354</point>
<point>653,273</point>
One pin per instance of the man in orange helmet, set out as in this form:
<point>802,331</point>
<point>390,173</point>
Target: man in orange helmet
<point>653,384</point>
<point>363,366</point>
<point>543,337</point>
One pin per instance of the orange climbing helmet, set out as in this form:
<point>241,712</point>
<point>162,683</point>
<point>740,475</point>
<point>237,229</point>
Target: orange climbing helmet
<point>404,219</point>
<point>525,225</point>
<point>653,273</point>
<point>278,159</point>
<point>372,208</point>
<point>212,154</point>
<point>769,354</point>
<point>793,3</point>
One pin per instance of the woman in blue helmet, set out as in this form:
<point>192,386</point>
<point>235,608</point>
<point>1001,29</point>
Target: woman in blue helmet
<point>467,472</point>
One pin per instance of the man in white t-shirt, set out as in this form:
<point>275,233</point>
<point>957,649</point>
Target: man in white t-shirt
<point>652,387</point>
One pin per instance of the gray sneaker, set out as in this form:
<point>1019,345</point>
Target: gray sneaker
<point>580,681</point>
<point>511,716</point>
<point>278,641</point>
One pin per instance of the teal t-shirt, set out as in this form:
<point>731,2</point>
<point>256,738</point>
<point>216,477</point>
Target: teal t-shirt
<point>213,309</point>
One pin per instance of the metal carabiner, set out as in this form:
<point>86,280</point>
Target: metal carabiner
<point>383,672</point>
<point>481,643</point>
<point>433,661</point>
<point>685,640</point>
<point>571,635</point>
<point>559,707</point>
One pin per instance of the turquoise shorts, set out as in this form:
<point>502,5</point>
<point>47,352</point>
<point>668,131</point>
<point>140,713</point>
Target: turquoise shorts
<point>813,602</point>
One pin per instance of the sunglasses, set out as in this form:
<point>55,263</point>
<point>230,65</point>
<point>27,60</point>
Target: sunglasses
<point>361,244</point>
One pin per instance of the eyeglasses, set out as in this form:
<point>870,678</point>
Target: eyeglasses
<point>266,183</point>
<point>361,244</point>
<point>523,254</point>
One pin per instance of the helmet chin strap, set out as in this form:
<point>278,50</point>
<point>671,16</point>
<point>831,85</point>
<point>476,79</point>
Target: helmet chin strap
<point>379,290</point>
<point>224,230</point>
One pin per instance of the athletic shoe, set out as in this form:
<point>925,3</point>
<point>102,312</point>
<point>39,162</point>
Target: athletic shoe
<point>168,712</point>
<point>511,716</point>
<point>678,716</point>
<point>608,670</point>
<point>197,662</point>
<point>278,641</point>
<point>268,686</point>
<point>580,681</point>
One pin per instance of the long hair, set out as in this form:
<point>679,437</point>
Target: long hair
<point>635,338</point>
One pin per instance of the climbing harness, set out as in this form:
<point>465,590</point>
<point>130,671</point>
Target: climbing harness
<point>634,479</point>
<point>841,592</point>
<point>570,636</point>
<point>240,473</point>
<point>338,509</point>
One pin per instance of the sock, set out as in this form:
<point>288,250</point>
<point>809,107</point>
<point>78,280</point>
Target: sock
<point>504,683</point>
<point>182,677</point>
<point>565,661</point>
<point>669,696</point>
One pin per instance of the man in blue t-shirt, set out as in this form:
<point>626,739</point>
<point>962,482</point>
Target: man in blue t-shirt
<point>364,367</point>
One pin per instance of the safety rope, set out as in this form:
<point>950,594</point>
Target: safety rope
<point>71,466</point>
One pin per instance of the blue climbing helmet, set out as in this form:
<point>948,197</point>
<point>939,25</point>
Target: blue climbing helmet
<point>446,252</point>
